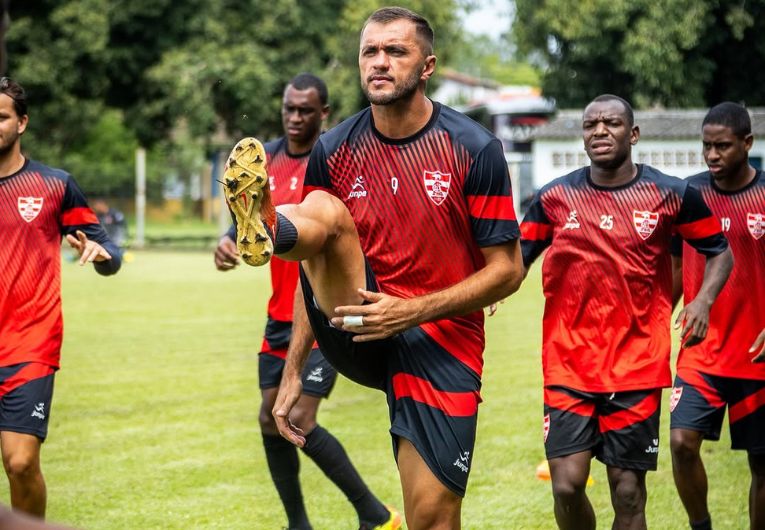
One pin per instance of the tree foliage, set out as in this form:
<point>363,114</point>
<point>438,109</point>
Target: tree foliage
<point>653,52</point>
<point>104,76</point>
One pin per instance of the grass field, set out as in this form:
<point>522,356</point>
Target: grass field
<point>154,420</point>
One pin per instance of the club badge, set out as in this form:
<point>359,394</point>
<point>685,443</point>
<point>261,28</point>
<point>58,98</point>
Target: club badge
<point>29,207</point>
<point>437,185</point>
<point>645,223</point>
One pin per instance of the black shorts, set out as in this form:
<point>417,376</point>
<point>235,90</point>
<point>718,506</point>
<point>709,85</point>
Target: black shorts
<point>698,403</point>
<point>621,428</point>
<point>318,375</point>
<point>26,392</point>
<point>432,397</point>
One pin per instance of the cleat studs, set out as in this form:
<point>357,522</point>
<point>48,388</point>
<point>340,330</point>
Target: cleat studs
<point>244,241</point>
<point>232,198</point>
<point>266,254</point>
<point>260,238</point>
<point>258,159</point>
<point>253,194</point>
<point>246,255</point>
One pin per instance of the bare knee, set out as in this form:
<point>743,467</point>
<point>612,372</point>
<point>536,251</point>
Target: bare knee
<point>568,492</point>
<point>628,493</point>
<point>685,445</point>
<point>21,466</point>
<point>437,512</point>
<point>266,420</point>
<point>304,417</point>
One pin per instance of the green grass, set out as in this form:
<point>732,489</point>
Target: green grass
<point>154,420</point>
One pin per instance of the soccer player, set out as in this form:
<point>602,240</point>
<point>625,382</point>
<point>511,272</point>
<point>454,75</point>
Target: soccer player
<point>304,108</point>
<point>607,280</point>
<point>719,372</point>
<point>406,232</point>
<point>38,205</point>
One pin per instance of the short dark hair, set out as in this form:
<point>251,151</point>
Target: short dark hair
<point>305,81</point>
<point>384,15</point>
<point>627,107</point>
<point>16,92</point>
<point>731,115</point>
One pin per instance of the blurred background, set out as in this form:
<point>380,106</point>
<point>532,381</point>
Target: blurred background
<point>177,82</point>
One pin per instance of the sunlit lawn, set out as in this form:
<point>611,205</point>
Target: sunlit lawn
<point>154,422</point>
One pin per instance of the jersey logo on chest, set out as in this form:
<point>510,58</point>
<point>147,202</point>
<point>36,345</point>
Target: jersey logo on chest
<point>29,207</point>
<point>358,190</point>
<point>645,223</point>
<point>755,222</point>
<point>437,185</point>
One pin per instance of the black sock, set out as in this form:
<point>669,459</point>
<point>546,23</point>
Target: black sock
<point>284,465</point>
<point>705,524</point>
<point>287,234</point>
<point>329,455</point>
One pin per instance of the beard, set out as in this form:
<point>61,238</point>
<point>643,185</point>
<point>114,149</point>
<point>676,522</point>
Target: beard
<point>403,90</point>
<point>8,142</point>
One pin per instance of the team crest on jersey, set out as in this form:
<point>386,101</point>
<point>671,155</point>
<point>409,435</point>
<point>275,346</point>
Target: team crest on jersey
<point>674,397</point>
<point>437,185</point>
<point>546,426</point>
<point>29,207</point>
<point>645,223</point>
<point>756,224</point>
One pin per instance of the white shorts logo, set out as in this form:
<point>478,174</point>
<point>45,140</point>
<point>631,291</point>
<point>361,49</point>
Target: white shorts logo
<point>39,411</point>
<point>29,207</point>
<point>674,397</point>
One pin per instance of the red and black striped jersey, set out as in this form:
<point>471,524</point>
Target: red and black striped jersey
<point>607,275</point>
<point>286,172</point>
<point>38,205</point>
<point>423,207</point>
<point>738,314</point>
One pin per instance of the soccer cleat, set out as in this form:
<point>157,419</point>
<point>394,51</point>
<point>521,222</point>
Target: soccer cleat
<point>248,196</point>
<point>393,522</point>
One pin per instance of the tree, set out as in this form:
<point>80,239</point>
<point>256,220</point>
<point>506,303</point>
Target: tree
<point>653,52</point>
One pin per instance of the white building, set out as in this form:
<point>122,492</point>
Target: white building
<point>670,140</point>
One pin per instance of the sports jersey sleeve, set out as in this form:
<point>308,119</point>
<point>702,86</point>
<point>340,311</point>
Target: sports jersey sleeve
<point>696,224</point>
<point>77,215</point>
<point>536,231</point>
<point>317,176</point>
<point>490,198</point>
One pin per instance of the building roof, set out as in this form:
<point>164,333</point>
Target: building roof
<point>665,124</point>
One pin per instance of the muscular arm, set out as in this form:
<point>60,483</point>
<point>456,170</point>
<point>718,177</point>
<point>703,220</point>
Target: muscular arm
<point>387,315</point>
<point>291,386</point>
<point>695,315</point>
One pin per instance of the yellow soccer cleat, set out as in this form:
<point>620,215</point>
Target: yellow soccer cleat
<point>248,196</point>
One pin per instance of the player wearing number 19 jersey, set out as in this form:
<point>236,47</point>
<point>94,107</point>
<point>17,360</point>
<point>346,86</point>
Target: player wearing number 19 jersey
<point>719,373</point>
<point>607,281</point>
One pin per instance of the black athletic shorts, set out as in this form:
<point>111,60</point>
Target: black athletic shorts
<point>26,392</point>
<point>318,375</point>
<point>432,397</point>
<point>698,403</point>
<point>621,428</point>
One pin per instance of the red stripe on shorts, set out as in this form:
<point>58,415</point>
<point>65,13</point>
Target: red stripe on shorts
<point>26,374</point>
<point>562,401</point>
<point>452,403</point>
<point>702,386</point>
<point>638,413</point>
<point>746,406</point>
